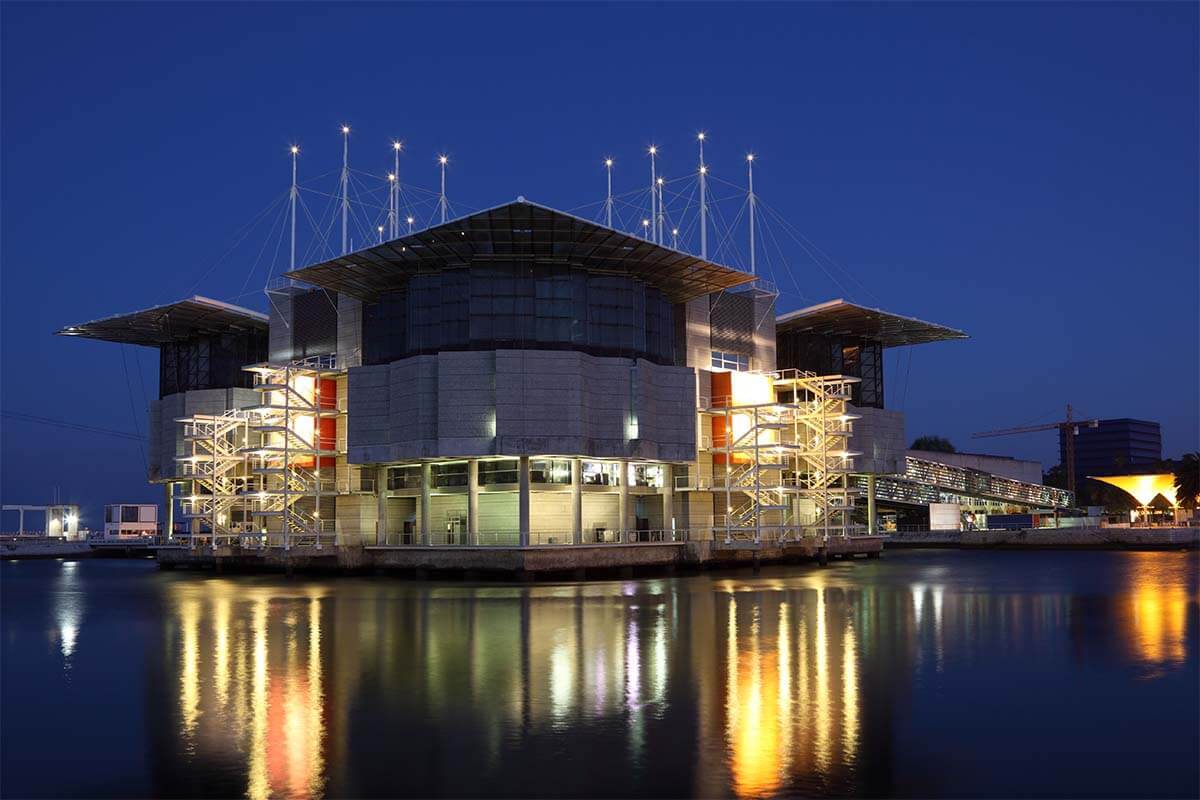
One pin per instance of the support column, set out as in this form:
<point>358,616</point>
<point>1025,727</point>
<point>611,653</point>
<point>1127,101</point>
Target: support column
<point>577,500</point>
<point>872,522</point>
<point>473,501</point>
<point>381,530</point>
<point>170,531</point>
<point>623,499</point>
<point>669,500</point>
<point>523,503</point>
<point>426,485</point>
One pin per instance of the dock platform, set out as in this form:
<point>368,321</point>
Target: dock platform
<point>530,561</point>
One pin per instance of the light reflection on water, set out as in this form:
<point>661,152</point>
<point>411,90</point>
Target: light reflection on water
<point>796,682</point>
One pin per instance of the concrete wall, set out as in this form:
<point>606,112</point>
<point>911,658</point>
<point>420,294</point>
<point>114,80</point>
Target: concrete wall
<point>521,402</point>
<point>1027,471</point>
<point>880,437</point>
<point>166,435</point>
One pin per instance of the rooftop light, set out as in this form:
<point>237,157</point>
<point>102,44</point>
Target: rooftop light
<point>295,149</point>
<point>345,129</point>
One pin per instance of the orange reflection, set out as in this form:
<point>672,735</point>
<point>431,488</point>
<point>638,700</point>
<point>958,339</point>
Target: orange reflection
<point>792,692</point>
<point>1158,610</point>
<point>280,721</point>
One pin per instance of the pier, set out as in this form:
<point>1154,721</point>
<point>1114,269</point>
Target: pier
<point>578,561</point>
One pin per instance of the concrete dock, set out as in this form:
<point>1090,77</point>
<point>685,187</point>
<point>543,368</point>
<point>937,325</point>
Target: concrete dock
<point>1054,538</point>
<point>551,560</point>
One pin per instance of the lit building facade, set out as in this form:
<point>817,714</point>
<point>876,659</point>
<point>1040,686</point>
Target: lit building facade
<point>519,376</point>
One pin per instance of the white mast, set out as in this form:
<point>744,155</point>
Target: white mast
<point>674,238</point>
<point>703,203</point>
<point>380,234</point>
<point>345,183</point>
<point>394,197</point>
<point>608,162</point>
<point>410,224</point>
<point>653,192</point>
<point>661,213</point>
<point>750,172</point>
<point>442,199</point>
<point>294,192</point>
<point>391,212</point>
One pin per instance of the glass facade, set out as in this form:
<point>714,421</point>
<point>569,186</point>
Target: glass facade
<point>520,305</point>
<point>836,355</point>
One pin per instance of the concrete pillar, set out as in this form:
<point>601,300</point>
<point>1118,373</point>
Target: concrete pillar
<point>523,503</point>
<point>577,500</point>
<point>426,486</point>
<point>668,499</point>
<point>473,501</point>
<point>872,523</point>
<point>381,506</point>
<point>170,529</point>
<point>623,498</point>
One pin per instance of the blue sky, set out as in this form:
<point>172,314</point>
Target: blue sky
<point>1026,172</point>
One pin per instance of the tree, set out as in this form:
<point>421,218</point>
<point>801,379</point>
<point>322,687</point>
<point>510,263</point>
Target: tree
<point>1056,476</point>
<point>1187,480</point>
<point>934,444</point>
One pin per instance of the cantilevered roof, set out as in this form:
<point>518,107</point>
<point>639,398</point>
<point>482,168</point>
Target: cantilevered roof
<point>172,322</point>
<point>517,231</point>
<point>839,317</point>
<point>1143,488</point>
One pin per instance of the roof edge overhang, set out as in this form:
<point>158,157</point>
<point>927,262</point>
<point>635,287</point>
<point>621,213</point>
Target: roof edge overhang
<point>840,316</point>
<point>159,325</point>
<point>372,271</point>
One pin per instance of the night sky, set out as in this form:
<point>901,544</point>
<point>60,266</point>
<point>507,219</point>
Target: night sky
<point>1027,173</point>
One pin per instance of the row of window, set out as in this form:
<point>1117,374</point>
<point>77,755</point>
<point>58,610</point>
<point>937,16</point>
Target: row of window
<point>507,471</point>
<point>526,304</point>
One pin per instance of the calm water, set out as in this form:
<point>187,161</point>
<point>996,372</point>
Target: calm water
<point>933,673</point>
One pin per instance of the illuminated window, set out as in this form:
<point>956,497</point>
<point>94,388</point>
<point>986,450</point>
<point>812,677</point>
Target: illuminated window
<point>730,361</point>
<point>504,470</point>
<point>546,470</point>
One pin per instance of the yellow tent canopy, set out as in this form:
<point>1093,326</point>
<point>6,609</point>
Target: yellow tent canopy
<point>1144,488</point>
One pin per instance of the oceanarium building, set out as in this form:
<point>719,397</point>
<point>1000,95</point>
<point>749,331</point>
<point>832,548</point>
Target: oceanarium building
<point>519,376</point>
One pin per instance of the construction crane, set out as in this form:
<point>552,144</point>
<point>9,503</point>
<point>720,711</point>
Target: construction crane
<point>1067,428</point>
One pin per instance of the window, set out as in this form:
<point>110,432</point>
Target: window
<point>108,514</point>
<point>730,361</point>
<point>448,475</point>
<point>601,473</point>
<point>646,475</point>
<point>505,470</point>
<point>546,470</point>
<point>403,478</point>
<point>129,514</point>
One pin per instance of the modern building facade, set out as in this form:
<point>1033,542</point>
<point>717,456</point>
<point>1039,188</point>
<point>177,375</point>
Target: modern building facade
<point>518,376</point>
<point>1114,447</point>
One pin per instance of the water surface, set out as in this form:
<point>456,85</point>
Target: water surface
<point>930,674</point>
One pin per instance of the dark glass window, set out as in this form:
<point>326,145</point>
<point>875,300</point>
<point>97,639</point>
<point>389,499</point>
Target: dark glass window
<point>403,478</point>
<point>522,304</point>
<point>448,475</point>
<point>505,470</point>
<point>129,513</point>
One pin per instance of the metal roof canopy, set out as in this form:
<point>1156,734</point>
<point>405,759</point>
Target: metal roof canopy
<point>520,231</point>
<point>172,322</point>
<point>839,317</point>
